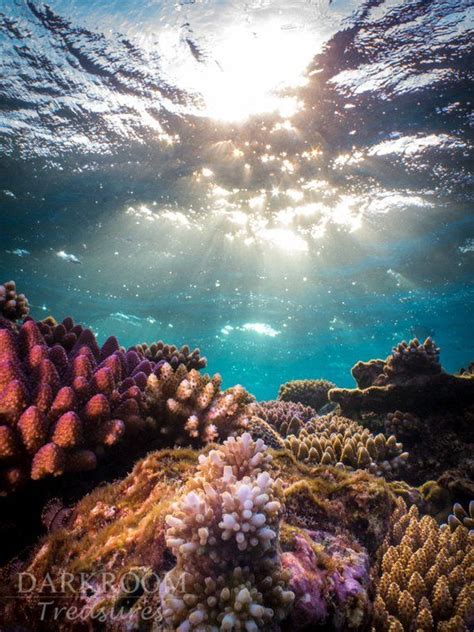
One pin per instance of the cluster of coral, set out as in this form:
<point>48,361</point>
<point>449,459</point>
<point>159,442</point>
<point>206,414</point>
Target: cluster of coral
<point>313,393</point>
<point>13,306</point>
<point>64,400</point>
<point>224,533</point>
<point>410,379</point>
<point>189,408</point>
<point>278,515</point>
<point>284,416</point>
<point>162,352</point>
<point>427,580</point>
<point>58,411</point>
<point>333,440</point>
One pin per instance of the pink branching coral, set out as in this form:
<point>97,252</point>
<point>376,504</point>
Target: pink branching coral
<point>188,407</point>
<point>13,306</point>
<point>57,410</point>
<point>224,534</point>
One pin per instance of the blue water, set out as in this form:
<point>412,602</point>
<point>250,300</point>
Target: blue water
<point>155,185</point>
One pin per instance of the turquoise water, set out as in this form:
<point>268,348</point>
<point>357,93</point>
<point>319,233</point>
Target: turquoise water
<point>288,188</point>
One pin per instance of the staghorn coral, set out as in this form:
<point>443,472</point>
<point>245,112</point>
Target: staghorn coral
<point>334,440</point>
<point>285,417</point>
<point>13,306</point>
<point>404,426</point>
<point>224,535</point>
<point>57,411</point>
<point>461,517</point>
<point>313,393</point>
<point>189,408</point>
<point>426,578</point>
<point>162,352</point>
<point>410,379</point>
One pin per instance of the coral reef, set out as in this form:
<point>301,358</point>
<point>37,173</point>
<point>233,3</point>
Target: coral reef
<point>334,523</point>
<point>13,306</point>
<point>334,440</point>
<point>285,417</point>
<point>224,535</point>
<point>313,393</point>
<point>410,379</point>
<point>189,408</point>
<point>162,352</point>
<point>427,576</point>
<point>57,411</point>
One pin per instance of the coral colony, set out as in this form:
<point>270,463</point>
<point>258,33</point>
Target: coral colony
<point>327,508</point>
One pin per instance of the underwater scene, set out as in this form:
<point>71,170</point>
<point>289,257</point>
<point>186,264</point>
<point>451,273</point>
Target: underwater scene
<point>236,332</point>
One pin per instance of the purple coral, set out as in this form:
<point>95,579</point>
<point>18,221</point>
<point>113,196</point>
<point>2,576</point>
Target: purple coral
<point>330,577</point>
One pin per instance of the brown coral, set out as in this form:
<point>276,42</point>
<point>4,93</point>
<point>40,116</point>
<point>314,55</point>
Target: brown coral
<point>313,393</point>
<point>426,578</point>
<point>162,352</point>
<point>334,440</point>
<point>404,426</point>
<point>461,517</point>
<point>411,378</point>
<point>189,408</point>
<point>284,416</point>
<point>13,306</point>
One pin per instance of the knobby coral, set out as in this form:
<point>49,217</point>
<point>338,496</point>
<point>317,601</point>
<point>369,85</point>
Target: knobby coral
<point>461,517</point>
<point>160,351</point>
<point>427,576</point>
<point>224,535</point>
<point>334,440</point>
<point>59,411</point>
<point>404,426</point>
<point>13,306</point>
<point>313,393</point>
<point>65,333</point>
<point>285,417</point>
<point>187,407</point>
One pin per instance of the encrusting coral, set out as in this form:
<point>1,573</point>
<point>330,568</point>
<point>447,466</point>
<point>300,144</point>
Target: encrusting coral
<point>334,440</point>
<point>189,408</point>
<point>285,417</point>
<point>160,351</point>
<point>426,578</point>
<point>13,306</point>
<point>313,393</point>
<point>410,379</point>
<point>57,411</point>
<point>224,534</point>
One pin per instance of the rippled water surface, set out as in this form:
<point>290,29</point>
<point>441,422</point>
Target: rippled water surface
<point>285,184</point>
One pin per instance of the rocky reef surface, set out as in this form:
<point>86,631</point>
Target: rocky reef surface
<point>137,494</point>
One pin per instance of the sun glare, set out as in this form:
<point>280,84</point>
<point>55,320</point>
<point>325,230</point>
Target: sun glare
<point>251,67</point>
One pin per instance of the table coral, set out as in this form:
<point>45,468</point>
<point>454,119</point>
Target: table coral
<point>427,576</point>
<point>334,440</point>
<point>313,393</point>
<point>13,306</point>
<point>410,379</point>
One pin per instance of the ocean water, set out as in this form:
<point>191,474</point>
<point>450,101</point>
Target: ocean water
<point>287,186</point>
